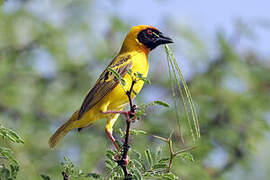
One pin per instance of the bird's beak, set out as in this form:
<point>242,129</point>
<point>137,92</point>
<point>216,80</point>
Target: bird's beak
<point>162,39</point>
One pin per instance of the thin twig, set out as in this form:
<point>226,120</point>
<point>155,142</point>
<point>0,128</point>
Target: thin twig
<point>172,153</point>
<point>126,145</point>
<point>123,162</point>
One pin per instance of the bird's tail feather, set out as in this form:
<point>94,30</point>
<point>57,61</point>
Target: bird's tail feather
<point>63,130</point>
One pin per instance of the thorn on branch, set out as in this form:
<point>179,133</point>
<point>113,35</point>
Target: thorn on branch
<point>173,154</point>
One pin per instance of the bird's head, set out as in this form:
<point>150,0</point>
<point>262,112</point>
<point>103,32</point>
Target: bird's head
<point>144,38</point>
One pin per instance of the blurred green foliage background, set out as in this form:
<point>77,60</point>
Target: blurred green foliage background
<point>51,53</point>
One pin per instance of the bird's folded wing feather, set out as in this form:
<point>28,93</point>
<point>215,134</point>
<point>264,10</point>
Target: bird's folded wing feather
<point>106,83</point>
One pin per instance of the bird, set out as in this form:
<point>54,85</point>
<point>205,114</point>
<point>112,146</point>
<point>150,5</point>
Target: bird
<point>108,93</point>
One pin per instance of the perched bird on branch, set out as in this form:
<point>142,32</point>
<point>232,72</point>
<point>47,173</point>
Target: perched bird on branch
<point>107,93</point>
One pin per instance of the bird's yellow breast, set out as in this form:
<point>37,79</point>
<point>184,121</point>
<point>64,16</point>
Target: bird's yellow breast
<point>117,98</point>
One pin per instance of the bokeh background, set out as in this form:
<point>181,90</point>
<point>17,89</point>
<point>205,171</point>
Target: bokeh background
<point>51,53</point>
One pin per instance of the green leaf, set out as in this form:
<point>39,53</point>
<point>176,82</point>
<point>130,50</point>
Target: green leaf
<point>117,75</point>
<point>109,154</point>
<point>68,167</point>
<point>93,175</point>
<point>8,174</point>
<point>137,132</point>
<point>141,109</point>
<point>14,169</point>
<point>137,174</point>
<point>161,103</point>
<point>137,164</point>
<point>165,176</point>
<point>149,157</point>
<point>164,160</point>
<point>137,154</point>
<point>45,177</point>
<point>120,132</point>
<point>138,158</point>
<point>7,153</point>
<point>140,112</point>
<point>187,156</point>
<point>4,173</point>
<point>147,175</point>
<point>170,176</point>
<point>10,135</point>
<point>134,92</point>
<point>129,71</point>
<point>110,164</point>
<point>161,166</point>
<point>140,76</point>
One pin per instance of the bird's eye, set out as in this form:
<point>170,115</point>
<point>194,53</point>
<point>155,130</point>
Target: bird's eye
<point>149,32</point>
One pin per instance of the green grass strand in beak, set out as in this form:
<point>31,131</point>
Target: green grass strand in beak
<point>172,83</point>
<point>177,71</point>
<point>181,95</point>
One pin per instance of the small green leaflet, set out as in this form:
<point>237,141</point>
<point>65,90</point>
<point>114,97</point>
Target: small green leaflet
<point>187,156</point>
<point>9,173</point>
<point>6,153</point>
<point>160,103</point>
<point>139,76</point>
<point>117,75</point>
<point>10,135</point>
<point>144,79</point>
<point>45,177</point>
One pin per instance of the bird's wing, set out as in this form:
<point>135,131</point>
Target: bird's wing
<point>106,83</point>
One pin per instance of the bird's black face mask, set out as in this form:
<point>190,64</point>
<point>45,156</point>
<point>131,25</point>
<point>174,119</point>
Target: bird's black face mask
<point>152,38</point>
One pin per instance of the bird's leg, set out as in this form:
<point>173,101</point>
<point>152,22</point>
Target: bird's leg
<point>117,157</point>
<point>109,134</point>
<point>130,117</point>
<point>109,128</point>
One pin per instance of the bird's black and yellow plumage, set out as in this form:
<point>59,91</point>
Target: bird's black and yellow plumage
<point>107,93</point>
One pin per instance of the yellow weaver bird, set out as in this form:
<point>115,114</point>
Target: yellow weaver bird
<point>107,93</point>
